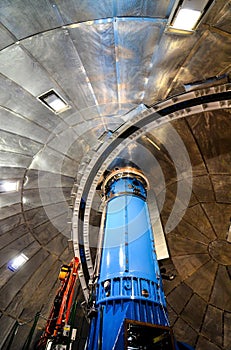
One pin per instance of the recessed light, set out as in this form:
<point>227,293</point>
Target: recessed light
<point>186,19</point>
<point>8,186</point>
<point>186,15</point>
<point>52,100</point>
<point>17,262</point>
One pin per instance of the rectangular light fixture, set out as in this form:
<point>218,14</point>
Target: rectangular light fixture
<point>187,14</point>
<point>17,262</point>
<point>186,19</point>
<point>52,100</point>
<point>9,186</point>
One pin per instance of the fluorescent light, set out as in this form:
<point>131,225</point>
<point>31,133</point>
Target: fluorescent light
<point>229,234</point>
<point>186,19</point>
<point>52,100</point>
<point>152,142</point>
<point>17,262</point>
<point>8,186</point>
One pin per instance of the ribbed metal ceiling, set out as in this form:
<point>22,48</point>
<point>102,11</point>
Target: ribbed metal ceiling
<point>111,60</point>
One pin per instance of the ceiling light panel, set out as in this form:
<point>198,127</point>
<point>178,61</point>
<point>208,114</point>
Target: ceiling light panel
<point>186,19</point>
<point>8,186</point>
<point>187,14</point>
<point>17,262</point>
<point>52,100</point>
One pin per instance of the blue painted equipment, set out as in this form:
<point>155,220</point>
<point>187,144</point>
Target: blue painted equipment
<point>129,310</point>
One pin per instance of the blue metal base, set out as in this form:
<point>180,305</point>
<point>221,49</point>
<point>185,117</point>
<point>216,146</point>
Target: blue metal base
<point>106,332</point>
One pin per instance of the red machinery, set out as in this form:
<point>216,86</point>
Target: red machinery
<point>57,331</point>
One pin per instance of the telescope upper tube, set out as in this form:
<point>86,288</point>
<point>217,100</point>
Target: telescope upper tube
<point>112,186</point>
<point>128,246</point>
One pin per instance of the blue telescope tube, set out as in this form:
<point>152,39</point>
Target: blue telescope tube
<point>129,284</point>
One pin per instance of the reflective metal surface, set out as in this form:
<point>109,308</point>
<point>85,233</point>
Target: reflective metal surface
<point>110,60</point>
